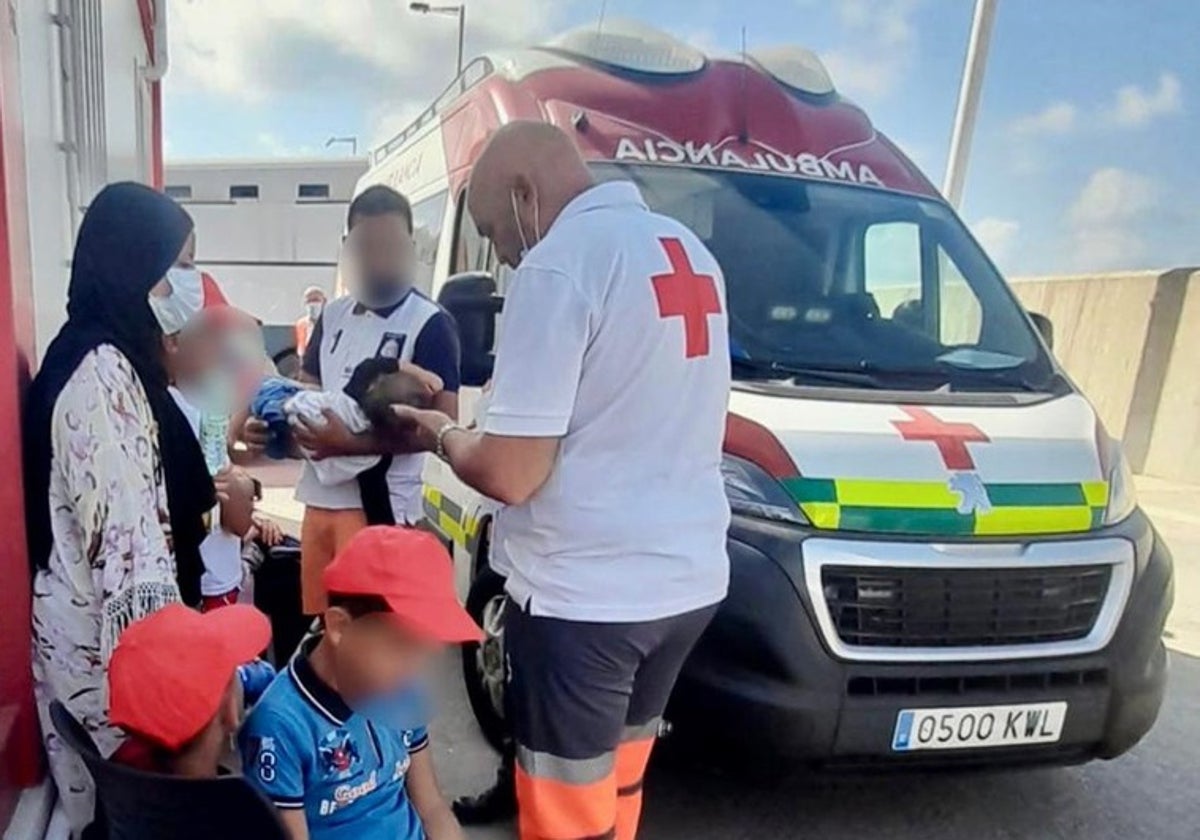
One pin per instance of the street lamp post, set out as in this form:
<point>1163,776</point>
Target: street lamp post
<point>461,11</point>
<point>968,101</point>
<point>353,141</point>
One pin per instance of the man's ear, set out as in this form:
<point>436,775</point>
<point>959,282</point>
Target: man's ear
<point>336,620</point>
<point>523,186</point>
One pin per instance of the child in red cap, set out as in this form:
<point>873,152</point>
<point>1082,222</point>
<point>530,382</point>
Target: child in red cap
<point>339,741</point>
<point>174,686</point>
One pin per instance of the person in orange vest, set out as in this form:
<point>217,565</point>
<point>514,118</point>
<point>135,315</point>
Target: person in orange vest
<point>314,303</point>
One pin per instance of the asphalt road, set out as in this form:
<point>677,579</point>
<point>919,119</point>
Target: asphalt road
<point>1151,792</point>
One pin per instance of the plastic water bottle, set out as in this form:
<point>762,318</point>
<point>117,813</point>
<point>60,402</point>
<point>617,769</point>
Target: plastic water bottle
<point>214,442</point>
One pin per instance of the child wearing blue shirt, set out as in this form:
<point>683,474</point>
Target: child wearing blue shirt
<point>338,741</point>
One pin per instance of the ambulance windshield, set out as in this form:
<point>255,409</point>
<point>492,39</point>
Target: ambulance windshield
<point>832,284</point>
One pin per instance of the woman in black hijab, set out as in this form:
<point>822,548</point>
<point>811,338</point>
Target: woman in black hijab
<point>116,486</point>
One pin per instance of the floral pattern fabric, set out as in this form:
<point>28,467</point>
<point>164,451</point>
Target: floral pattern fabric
<point>111,561</point>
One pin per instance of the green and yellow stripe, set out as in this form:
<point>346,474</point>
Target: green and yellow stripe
<point>449,518</point>
<point>931,507</point>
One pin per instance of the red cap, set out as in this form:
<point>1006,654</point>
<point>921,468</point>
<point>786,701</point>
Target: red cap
<point>413,573</point>
<point>170,670</point>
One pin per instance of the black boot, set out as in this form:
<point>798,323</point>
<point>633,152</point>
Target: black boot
<point>499,802</point>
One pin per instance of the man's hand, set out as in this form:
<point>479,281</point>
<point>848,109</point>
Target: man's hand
<point>420,426</point>
<point>235,492</point>
<point>325,439</point>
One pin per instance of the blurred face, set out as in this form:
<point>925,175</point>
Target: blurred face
<point>372,655</point>
<point>378,259</point>
<point>192,352</point>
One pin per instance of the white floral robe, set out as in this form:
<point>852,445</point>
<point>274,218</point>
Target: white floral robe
<point>111,561</point>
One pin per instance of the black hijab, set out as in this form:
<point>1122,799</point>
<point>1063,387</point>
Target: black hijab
<point>130,237</point>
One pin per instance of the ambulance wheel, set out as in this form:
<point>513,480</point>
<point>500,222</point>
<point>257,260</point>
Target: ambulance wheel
<point>483,664</point>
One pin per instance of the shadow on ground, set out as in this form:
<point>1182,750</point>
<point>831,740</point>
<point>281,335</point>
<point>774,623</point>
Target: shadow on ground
<point>1152,792</point>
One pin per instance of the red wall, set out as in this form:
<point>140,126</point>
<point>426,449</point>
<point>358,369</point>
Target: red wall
<point>20,761</point>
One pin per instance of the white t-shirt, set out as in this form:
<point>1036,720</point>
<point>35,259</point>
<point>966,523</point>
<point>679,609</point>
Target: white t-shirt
<point>630,525</point>
<point>351,333</point>
<point>221,551</point>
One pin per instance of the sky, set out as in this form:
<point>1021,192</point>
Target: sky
<point>1084,151</point>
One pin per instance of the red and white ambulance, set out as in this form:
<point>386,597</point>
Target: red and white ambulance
<point>936,553</point>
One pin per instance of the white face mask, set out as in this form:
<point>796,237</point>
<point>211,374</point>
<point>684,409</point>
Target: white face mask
<point>180,305</point>
<point>313,310</point>
<point>537,224</point>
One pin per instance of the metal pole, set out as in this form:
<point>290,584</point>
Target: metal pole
<point>968,101</point>
<point>462,28</point>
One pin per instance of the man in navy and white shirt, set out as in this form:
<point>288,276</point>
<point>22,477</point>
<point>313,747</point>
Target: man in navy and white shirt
<point>383,317</point>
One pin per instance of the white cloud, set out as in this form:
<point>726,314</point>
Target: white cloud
<point>1105,219</point>
<point>1055,118</point>
<point>253,51</point>
<point>997,237</point>
<point>1131,107</point>
<point>1135,107</point>
<point>1112,195</point>
<point>274,146</point>
<point>881,44</point>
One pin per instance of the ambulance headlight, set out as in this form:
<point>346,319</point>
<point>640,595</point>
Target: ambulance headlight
<point>1122,498</point>
<point>753,492</point>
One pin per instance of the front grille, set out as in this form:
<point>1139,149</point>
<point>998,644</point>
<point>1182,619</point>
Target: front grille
<point>940,607</point>
<point>867,686</point>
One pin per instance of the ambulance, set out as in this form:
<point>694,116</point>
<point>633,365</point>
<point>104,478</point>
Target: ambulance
<point>936,555</point>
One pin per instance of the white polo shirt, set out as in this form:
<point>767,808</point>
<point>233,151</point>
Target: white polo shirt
<point>615,340</point>
<point>349,334</point>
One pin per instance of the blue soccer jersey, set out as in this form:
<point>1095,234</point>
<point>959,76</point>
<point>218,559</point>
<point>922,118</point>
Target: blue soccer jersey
<point>305,748</point>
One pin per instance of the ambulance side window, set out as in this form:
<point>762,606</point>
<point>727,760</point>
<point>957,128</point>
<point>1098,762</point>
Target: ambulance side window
<point>428,217</point>
<point>960,316</point>
<point>471,251</point>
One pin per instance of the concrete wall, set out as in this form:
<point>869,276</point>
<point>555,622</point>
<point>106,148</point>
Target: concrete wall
<point>1174,450</point>
<point>1100,324</point>
<point>1131,341</point>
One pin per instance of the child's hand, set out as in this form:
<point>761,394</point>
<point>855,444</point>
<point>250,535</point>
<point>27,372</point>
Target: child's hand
<point>255,434</point>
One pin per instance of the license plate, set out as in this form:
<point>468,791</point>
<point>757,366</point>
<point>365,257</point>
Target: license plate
<point>973,727</point>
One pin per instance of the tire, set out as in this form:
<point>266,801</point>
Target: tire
<point>483,664</point>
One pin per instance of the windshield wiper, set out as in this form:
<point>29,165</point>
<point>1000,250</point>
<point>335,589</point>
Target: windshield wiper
<point>866,374</point>
<point>837,375</point>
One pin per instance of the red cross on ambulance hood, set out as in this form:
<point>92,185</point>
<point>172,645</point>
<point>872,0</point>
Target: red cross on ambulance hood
<point>1051,441</point>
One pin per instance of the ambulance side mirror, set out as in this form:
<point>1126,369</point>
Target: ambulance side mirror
<point>471,300</point>
<point>1044,326</point>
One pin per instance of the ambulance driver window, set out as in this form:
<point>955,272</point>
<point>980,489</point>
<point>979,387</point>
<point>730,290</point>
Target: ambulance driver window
<point>892,271</point>
<point>428,216</point>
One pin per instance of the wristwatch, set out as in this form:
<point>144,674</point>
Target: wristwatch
<point>445,429</point>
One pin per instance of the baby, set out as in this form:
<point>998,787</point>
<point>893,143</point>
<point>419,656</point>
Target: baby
<point>365,403</point>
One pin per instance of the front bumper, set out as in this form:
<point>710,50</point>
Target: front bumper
<point>764,681</point>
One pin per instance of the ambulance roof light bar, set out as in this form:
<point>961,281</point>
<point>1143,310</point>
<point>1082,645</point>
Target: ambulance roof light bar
<point>629,45</point>
<point>794,67</point>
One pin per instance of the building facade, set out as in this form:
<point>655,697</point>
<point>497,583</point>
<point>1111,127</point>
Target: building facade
<point>79,106</point>
<point>268,229</point>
